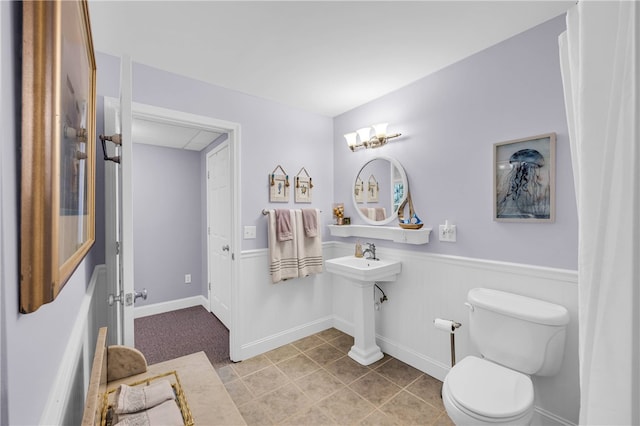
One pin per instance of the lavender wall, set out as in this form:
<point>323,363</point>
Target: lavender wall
<point>270,134</point>
<point>450,121</point>
<point>167,222</point>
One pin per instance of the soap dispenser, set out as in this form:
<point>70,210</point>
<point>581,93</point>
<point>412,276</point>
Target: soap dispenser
<point>358,249</point>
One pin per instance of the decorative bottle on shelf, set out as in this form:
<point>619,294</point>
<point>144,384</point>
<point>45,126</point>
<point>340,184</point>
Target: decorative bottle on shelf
<point>358,249</point>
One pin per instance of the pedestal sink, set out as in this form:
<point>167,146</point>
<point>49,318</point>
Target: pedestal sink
<point>363,274</point>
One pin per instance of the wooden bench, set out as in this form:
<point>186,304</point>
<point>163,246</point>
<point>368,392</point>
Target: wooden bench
<point>208,401</point>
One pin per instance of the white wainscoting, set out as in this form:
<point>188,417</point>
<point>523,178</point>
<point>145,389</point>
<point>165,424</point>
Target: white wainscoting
<point>430,286</point>
<point>435,286</point>
<point>65,404</point>
<point>273,315</point>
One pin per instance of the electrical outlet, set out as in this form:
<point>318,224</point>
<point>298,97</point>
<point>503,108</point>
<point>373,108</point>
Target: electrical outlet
<point>187,279</point>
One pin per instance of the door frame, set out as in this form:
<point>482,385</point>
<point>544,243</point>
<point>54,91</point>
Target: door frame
<point>174,117</point>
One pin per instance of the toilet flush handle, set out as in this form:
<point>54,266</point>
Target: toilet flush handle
<point>470,306</point>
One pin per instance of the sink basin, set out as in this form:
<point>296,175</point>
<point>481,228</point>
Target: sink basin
<point>364,270</point>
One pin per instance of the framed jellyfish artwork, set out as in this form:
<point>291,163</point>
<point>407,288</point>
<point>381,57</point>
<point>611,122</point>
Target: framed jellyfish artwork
<point>524,173</point>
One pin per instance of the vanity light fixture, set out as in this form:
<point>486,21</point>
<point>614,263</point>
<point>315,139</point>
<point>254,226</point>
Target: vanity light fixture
<point>363,139</point>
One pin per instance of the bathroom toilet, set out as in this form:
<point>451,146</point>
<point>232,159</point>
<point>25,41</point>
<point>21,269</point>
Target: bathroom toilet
<point>517,336</point>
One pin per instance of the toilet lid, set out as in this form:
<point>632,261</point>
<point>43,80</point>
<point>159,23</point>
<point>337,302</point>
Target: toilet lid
<point>488,389</point>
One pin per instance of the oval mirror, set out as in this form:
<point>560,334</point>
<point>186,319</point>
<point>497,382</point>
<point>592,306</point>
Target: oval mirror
<point>379,188</point>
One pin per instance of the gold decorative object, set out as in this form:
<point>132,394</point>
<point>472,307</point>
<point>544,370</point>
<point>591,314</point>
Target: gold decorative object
<point>338,213</point>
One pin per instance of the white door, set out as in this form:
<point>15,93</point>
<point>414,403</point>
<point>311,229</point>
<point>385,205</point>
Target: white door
<point>220,255</point>
<point>119,214</point>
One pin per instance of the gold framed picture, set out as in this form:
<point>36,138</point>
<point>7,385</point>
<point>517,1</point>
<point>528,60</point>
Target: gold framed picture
<point>58,147</point>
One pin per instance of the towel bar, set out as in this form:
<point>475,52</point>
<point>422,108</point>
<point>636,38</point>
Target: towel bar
<point>266,212</point>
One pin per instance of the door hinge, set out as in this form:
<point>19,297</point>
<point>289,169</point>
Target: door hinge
<point>117,247</point>
<point>209,286</point>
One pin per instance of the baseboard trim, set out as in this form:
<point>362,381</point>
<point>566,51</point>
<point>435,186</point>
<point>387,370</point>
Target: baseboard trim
<point>172,305</point>
<point>548,418</point>
<point>413,358</point>
<point>285,337</point>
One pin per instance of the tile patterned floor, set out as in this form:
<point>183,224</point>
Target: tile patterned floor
<point>313,382</point>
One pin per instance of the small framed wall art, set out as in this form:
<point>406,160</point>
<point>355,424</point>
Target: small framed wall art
<point>278,186</point>
<point>372,190</point>
<point>524,179</point>
<point>358,190</point>
<point>303,187</point>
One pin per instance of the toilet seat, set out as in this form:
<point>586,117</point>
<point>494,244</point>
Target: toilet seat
<point>489,392</point>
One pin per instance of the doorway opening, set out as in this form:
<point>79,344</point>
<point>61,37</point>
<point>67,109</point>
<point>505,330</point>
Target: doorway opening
<point>175,129</point>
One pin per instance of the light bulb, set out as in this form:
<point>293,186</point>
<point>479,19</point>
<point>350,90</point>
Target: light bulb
<point>381,130</point>
<point>364,134</point>
<point>351,139</point>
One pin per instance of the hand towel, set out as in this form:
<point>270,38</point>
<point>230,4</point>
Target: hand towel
<point>283,225</point>
<point>371,213</point>
<point>309,248</point>
<point>283,255</point>
<point>166,414</point>
<point>131,399</point>
<point>310,222</point>
<point>381,213</point>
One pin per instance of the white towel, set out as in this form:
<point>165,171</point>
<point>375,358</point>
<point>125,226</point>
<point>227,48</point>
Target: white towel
<point>309,248</point>
<point>283,255</point>
<point>371,213</point>
<point>168,413</point>
<point>131,399</point>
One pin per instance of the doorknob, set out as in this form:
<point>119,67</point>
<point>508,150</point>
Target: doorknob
<point>112,299</point>
<point>138,294</point>
<point>225,247</point>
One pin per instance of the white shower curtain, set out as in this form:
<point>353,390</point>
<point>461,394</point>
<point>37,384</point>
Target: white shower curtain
<point>599,58</point>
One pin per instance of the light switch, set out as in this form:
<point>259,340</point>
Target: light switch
<point>447,232</point>
<point>249,232</point>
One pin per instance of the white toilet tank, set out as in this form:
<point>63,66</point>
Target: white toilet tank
<point>519,332</point>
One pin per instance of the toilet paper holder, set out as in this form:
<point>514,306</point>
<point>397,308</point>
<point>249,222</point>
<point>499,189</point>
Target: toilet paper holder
<point>451,327</point>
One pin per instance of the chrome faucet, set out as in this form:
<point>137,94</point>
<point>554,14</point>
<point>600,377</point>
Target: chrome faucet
<point>371,249</point>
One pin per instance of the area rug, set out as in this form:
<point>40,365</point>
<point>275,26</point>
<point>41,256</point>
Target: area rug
<point>173,334</point>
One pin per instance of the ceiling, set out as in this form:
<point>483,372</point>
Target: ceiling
<point>172,135</point>
<point>325,57</point>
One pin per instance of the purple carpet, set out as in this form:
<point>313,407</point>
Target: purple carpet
<point>177,333</point>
